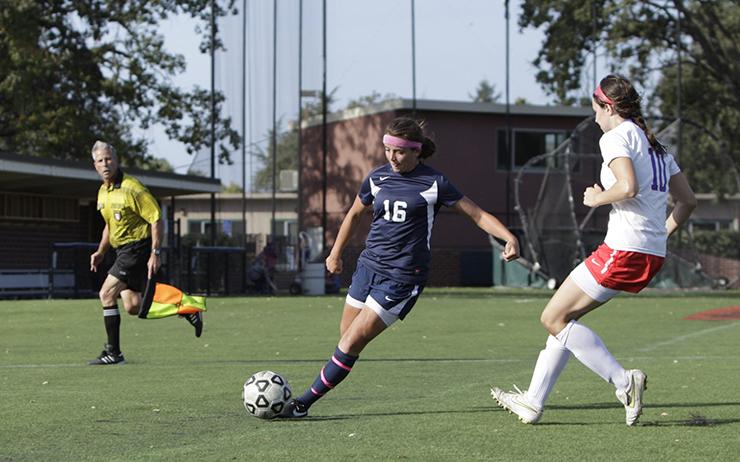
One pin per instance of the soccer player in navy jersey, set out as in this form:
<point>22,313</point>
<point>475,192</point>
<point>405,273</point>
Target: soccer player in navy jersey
<point>404,196</point>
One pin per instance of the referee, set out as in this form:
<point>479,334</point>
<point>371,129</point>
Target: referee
<point>134,228</point>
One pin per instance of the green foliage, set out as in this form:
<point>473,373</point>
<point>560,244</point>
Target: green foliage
<point>485,93</point>
<point>232,188</point>
<point>372,98</point>
<point>72,72</point>
<point>641,39</point>
<point>723,243</point>
<point>286,143</point>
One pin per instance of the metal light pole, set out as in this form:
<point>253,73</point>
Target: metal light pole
<point>274,117</point>
<point>213,119</point>
<point>324,135</point>
<point>413,58</point>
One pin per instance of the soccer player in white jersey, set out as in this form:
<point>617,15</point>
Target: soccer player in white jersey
<point>404,196</point>
<point>637,175</point>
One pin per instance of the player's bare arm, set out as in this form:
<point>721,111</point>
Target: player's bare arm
<point>155,260</point>
<point>489,224</point>
<point>98,255</point>
<point>334,260</point>
<point>625,188</point>
<point>685,202</point>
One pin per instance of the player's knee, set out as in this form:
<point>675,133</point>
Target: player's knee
<point>131,308</point>
<point>107,296</point>
<point>551,323</point>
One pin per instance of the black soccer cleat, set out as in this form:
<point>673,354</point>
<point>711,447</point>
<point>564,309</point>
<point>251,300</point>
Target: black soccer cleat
<point>108,357</point>
<point>195,320</point>
<point>294,410</point>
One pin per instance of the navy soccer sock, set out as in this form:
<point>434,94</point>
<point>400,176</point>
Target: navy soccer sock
<point>112,320</point>
<point>335,370</point>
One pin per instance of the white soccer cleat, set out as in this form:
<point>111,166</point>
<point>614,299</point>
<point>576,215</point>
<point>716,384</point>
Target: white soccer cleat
<point>632,397</point>
<point>517,403</point>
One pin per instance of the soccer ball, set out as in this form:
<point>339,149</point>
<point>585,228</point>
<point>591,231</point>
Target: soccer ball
<point>265,394</point>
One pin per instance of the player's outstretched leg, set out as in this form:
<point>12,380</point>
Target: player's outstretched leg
<point>632,396</point>
<point>333,372</point>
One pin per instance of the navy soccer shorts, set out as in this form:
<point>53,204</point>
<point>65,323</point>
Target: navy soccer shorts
<point>389,299</point>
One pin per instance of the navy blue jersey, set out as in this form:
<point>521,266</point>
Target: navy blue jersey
<point>404,208</point>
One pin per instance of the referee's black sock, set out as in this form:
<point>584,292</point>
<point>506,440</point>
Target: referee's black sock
<point>112,320</point>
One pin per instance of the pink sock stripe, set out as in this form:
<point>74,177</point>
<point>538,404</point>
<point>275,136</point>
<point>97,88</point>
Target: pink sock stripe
<point>339,363</point>
<point>316,392</point>
<point>326,382</point>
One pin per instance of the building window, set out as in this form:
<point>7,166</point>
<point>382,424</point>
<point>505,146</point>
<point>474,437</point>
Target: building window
<point>709,225</point>
<point>526,144</point>
<point>39,208</point>
<point>228,227</point>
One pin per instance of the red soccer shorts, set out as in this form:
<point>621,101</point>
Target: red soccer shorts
<point>622,270</point>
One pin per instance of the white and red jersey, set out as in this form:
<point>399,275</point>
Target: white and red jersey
<point>637,224</point>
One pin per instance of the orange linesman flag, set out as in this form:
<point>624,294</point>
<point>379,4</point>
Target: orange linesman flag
<point>162,300</point>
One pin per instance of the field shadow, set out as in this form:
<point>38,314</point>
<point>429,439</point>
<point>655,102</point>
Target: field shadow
<point>651,405</point>
<point>391,414</point>
<point>693,420</point>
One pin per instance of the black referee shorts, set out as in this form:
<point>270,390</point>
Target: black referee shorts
<point>130,265</point>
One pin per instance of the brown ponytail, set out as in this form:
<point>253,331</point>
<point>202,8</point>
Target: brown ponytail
<point>626,103</point>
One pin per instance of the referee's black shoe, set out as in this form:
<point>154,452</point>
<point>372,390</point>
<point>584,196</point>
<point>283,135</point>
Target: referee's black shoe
<point>108,357</point>
<point>195,320</point>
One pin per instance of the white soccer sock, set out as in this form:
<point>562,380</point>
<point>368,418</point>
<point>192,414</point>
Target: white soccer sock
<point>550,363</point>
<point>588,348</point>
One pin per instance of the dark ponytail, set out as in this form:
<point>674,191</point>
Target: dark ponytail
<point>412,130</point>
<point>626,103</point>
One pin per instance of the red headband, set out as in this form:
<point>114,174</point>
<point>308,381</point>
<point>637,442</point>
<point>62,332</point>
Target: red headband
<point>599,94</point>
<point>401,142</point>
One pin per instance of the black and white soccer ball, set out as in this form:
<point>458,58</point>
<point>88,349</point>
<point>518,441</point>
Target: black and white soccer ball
<point>265,394</point>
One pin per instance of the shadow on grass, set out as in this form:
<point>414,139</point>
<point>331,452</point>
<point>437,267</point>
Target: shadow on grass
<point>693,420</point>
<point>651,405</point>
<point>388,414</point>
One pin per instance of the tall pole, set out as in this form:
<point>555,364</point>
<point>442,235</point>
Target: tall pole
<point>213,118</point>
<point>593,24</point>
<point>413,57</point>
<point>509,150</point>
<point>274,117</point>
<point>679,82</point>
<point>324,134</point>
<point>244,123</point>
<point>300,115</point>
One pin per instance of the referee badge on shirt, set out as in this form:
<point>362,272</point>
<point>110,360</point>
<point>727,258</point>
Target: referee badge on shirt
<point>117,216</point>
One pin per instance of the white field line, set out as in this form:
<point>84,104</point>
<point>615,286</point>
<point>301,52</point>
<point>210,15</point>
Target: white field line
<point>681,338</point>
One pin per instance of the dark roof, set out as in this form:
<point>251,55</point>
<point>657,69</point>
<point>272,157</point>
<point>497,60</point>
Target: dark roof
<point>401,104</point>
<point>37,175</point>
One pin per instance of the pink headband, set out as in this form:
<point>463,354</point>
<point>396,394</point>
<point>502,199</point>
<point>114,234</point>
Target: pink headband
<point>599,94</point>
<point>400,142</point>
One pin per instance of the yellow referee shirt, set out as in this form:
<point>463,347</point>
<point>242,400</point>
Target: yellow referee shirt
<point>128,209</point>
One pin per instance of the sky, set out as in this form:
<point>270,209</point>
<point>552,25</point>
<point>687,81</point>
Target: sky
<point>458,44</point>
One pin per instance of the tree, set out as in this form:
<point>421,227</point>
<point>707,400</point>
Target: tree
<point>485,93</point>
<point>74,71</point>
<point>372,98</point>
<point>642,39</point>
<point>287,143</point>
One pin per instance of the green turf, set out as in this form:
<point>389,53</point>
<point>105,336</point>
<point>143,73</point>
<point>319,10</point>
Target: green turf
<point>419,392</point>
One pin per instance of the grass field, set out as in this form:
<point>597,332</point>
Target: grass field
<point>419,392</point>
